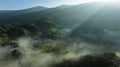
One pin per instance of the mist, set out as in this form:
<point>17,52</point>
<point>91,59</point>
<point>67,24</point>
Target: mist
<point>33,57</point>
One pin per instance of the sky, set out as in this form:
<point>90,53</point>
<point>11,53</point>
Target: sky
<point>22,4</point>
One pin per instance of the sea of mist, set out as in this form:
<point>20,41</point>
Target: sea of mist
<point>33,57</point>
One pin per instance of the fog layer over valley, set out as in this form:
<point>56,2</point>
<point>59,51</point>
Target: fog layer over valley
<point>26,55</point>
<point>85,35</point>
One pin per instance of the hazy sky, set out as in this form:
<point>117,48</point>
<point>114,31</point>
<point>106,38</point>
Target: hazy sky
<point>21,4</point>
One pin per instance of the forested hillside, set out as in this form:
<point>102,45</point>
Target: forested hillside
<point>45,28</point>
<point>85,35</point>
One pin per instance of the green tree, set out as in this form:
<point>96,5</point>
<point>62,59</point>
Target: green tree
<point>17,32</point>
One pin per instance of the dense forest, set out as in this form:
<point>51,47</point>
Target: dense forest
<point>63,36</point>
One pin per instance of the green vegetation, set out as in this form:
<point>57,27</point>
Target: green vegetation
<point>52,48</point>
<point>105,60</point>
<point>45,28</point>
<point>12,44</point>
<point>78,29</point>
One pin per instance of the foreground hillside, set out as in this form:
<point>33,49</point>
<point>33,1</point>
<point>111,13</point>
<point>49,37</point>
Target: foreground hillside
<point>44,28</point>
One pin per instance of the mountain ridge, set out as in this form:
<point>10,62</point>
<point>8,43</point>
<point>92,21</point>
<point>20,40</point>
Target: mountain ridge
<point>10,13</point>
<point>76,14</point>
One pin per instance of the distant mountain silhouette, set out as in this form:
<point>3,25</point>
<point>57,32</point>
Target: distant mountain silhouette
<point>69,15</point>
<point>4,14</point>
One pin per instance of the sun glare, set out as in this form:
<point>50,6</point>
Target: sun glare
<point>112,1</point>
<point>106,1</point>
